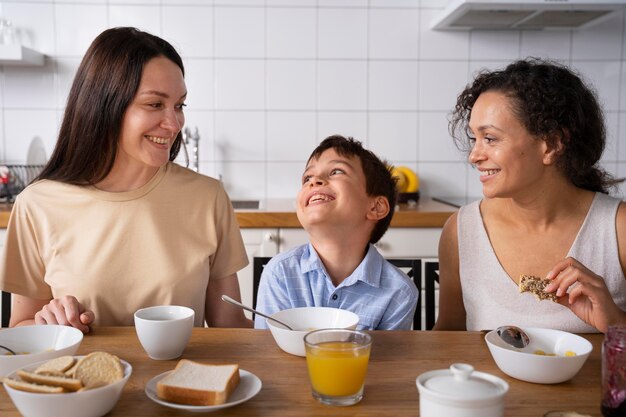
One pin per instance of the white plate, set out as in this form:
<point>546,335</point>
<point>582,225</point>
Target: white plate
<point>249,386</point>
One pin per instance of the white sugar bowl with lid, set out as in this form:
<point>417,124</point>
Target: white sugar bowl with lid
<point>461,392</point>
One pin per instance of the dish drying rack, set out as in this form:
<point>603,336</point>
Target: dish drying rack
<point>20,177</point>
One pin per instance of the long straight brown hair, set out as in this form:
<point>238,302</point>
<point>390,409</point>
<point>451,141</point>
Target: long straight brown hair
<point>105,84</point>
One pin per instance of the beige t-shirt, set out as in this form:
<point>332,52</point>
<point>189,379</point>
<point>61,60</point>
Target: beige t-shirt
<point>118,252</point>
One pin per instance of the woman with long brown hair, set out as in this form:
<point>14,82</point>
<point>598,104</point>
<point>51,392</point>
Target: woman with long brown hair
<point>111,224</point>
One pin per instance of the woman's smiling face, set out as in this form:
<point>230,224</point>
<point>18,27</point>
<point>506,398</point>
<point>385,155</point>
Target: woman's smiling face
<point>154,117</point>
<point>508,157</point>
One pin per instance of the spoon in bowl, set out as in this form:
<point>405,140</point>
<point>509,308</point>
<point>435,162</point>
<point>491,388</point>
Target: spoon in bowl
<point>238,304</point>
<point>513,336</point>
<point>8,350</point>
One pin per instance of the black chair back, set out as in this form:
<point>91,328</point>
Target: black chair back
<point>6,308</point>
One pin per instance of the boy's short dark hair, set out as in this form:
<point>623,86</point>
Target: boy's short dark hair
<point>378,179</point>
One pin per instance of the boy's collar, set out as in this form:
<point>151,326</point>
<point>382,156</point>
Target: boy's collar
<point>369,270</point>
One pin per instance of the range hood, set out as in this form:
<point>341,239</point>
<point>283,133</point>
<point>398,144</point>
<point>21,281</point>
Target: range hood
<point>524,14</point>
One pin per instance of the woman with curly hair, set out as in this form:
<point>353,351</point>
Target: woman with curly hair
<point>536,133</point>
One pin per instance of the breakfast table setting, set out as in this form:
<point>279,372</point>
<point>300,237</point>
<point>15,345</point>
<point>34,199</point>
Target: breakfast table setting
<point>397,358</point>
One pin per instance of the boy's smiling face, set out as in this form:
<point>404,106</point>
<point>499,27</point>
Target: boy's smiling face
<point>333,192</point>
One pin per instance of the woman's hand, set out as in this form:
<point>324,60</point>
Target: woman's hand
<point>66,311</point>
<point>588,297</point>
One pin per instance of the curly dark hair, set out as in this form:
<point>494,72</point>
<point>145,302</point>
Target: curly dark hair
<point>553,104</point>
<point>378,179</point>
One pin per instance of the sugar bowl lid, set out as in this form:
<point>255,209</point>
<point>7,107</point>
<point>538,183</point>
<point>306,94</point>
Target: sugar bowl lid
<point>462,383</point>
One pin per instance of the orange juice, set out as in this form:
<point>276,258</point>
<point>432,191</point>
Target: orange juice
<point>337,368</point>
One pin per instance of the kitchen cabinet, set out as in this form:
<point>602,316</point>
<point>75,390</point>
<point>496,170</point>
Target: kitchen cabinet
<point>14,54</point>
<point>258,242</point>
<point>422,243</point>
<point>407,242</point>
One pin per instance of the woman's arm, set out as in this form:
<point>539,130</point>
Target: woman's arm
<point>23,310</point>
<point>66,311</point>
<point>588,296</point>
<point>219,313</point>
<point>451,309</point>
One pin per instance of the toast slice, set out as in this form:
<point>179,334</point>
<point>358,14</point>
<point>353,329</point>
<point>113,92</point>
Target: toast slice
<point>194,383</point>
<point>30,387</point>
<point>536,286</point>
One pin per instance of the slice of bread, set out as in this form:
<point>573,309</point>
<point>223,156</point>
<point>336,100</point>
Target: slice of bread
<point>194,383</point>
<point>536,286</point>
<point>30,387</point>
<point>98,369</point>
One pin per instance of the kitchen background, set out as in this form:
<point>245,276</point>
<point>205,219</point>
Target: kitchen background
<point>269,79</point>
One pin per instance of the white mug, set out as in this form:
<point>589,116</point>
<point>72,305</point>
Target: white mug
<point>164,331</point>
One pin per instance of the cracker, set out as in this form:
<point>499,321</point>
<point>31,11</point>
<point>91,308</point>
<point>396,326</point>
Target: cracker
<point>30,387</point>
<point>56,366</point>
<point>70,372</point>
<point>536,286</point>
<point>98,369</point>
<point>68,384</point>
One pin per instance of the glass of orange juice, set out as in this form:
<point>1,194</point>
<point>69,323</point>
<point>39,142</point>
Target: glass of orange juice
<point>337,361</point>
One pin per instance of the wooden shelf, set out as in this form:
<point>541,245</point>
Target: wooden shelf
<point>20,55</point>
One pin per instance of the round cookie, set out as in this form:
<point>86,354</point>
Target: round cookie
<point>98,369</point>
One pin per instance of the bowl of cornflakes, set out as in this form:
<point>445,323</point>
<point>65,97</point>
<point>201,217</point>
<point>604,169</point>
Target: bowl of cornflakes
<point>36,343</point>
<point>551,357</point>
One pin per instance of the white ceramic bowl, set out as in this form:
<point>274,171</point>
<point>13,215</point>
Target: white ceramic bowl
<point>36,344</point>
<point>526,365</point>
<point>90,403</point>
<point>306,319</point>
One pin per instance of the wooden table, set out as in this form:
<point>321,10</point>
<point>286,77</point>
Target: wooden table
<point>397,358</point>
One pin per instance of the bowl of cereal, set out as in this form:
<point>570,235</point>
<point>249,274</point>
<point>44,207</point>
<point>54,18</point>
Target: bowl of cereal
<point>36,343</point>
<point>551,357</point>
<point>304,320</point>
<point>77,386</point>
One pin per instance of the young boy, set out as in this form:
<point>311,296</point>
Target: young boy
<point>346,203</point>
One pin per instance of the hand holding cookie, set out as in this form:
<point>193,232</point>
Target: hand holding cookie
<point>585,293</point>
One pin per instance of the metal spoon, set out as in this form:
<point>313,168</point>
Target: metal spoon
<point>513,336</point>
<point>8,350</point>
<point>238,304</point>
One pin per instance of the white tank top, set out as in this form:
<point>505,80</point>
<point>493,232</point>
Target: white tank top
<point>492,299</point>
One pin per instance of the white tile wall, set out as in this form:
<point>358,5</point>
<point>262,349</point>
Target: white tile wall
<point>269,79</point>
<point>239,32</point>
<point>290,135</point>
<point>291,84</point>
<point>612,129</point>
<point>388,133</point>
